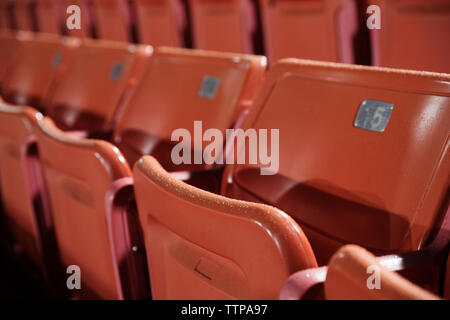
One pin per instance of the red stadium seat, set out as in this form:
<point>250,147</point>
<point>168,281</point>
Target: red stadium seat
<point>95,85</point>
<point>204,246</point>
<point>37,66</point>
<point>77,195</point>
<point>24,15</point>
<point>319,30</point>
<point>113,20</point>
<point>4,24</point>
<point>7,15</point>
<point>22,185</point>
<point>414,35</point>
<point>161,22</point>
<point>10,45</point>
<point>348,279</point>
<point>116,154</point>
<point>169,98</point>
<point>49,16</point>
<point>117,66</point>
<point>223,25</point>
<point>350,136</point>
<point>88,186</point>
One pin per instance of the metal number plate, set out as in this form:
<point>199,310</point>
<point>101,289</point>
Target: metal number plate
<point>373,115</point>
<point>209,87</point>
<point>57,59</point>
<point>116,71</point>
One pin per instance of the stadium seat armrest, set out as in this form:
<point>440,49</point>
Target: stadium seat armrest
<point>78,134</point>
<point>300,282</point>
<point>125,240</point>
<point>113,209</point>
<point>430,254</point>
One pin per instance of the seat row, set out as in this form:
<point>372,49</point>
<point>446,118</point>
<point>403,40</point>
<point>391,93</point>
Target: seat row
<point>329,30</point>
<point>92,182</point>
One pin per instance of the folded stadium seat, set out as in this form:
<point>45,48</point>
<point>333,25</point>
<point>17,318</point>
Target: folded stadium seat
<point>348,278</point>
<point>318,29</point>
<point>88,183</point>
<point>10,45</point>
<point>49,16</point>
<point>420,28</point>
<point>21,187</point>
<point>38,65</point>
<point>87,25</point>
<point>363,154</point>
<point>181,86</point>
<point>161,22</point>
<point>24,15</point>
<point>205,246</point>
<point>223,25</point>
<point>95,85</point>
<point>113,21</point>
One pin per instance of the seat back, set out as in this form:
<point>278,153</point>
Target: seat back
<point>82,177</point>
<point>179,87</point>
<point>363,153</point>
<point>49,16</point>
<point>96,83</point>
<point>161,22</point>
<point>8,16</point>
<point>23,15</point>
<point>10,45</point>
<point>318,30</point>
<point>37,67</point>
<point>4,23</point>
<point>223,25</point>
<point>113,21</point>
<point>18,195</point>
<point>355,274</point>
<point>204,246</point>
<point>87,23</point>
<point>420,28</point>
